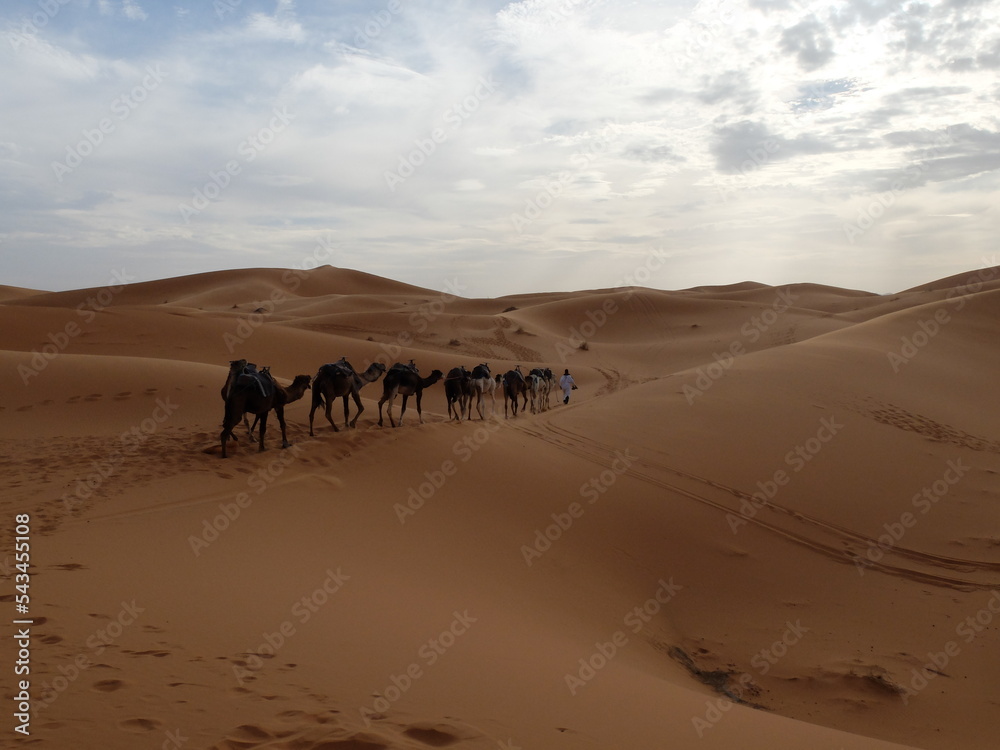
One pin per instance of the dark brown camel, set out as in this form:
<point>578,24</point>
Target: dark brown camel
<point>339,380</point>
<point>236,367</point>
<point>259,393</point>
<point>458,393</point>
<point>406,381</point>
<point>514,385</point>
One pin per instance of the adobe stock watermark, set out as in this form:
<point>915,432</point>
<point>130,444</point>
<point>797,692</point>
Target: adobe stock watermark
<point>717,708</point>
<point>301,612</point>
<point>224,7</point>
<point>928,328</point>
<point>59,341</point>
<point>597,318</point>
<point>129,443</point>
<point>427,656</point>
<point>700,39</point>
<point>910,177</point>
<point>47,10</point>
<point>757,156</point>
<point>752,330</point>
<point>121,108</point>
<point>796,460</point>
<point>376,23</point>
<point>937,661</point>
<point>419,321</point>
<point>922,502</point>
<point>96,643</point>
<point>633,621</point>
<point>229,513</point>
<point>291,280</point>
<point>248,150</point>
<point>554,187</point>
<point>454,118</point>
<point>591,491</point>
<point>463,450</point>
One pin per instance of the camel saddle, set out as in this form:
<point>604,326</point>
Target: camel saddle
<point>262,381</point>
<point>400,367</point>
<point>340,367</point>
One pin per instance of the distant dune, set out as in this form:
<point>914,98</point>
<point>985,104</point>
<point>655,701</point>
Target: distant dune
<point>765,519</point>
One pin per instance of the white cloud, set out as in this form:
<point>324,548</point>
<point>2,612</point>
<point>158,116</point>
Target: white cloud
<point>133,11</point>
<point>748,131</point>
<point>282,26</point>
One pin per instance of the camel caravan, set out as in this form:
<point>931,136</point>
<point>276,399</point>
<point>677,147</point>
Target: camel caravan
<point>249,390</point>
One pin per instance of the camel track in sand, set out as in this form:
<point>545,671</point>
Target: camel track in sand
<point>832,540</point>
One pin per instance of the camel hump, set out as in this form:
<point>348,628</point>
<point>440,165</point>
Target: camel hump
<point>400,367</point>
<point>480,371</point>
<point>537,372</point>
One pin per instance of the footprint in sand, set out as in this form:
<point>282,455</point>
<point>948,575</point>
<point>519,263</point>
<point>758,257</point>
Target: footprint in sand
<point>158,653</point>
<point>25,408</point>
<point>249,734</point>
<point>432,736</point>
<point>108,686</point>
<point>150,391</point>
<point>94,397</point>
<point>139,726</point>
<point>123,395</point>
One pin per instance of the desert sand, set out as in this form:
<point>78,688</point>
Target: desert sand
<point>766,519</point>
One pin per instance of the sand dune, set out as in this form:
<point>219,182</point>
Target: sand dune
<point>765,520</point>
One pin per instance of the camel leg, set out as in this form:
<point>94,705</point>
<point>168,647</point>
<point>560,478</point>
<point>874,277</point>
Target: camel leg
<point>329,415</point>
<point>420,414</point>
<point>263,430</point>
<point>380,402</point>
<point>402,410</point>
<point>361,408</point>
<point>230,419</point>
<point>280,412</point>
<point>312,410</point>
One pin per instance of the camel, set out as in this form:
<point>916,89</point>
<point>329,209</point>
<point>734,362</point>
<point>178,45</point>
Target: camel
<point>550,384</point>
<point>540,383</point>
<point>535,383</point>
<point>514,385</point>
<point>339,380</point>
<point>259,393</point>
<point>404,380</point>
<point>482,383</point>
<point>236,367</point>
<point>458,393</point>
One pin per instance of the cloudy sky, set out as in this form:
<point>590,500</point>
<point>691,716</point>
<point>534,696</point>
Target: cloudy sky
<point>511,146</point>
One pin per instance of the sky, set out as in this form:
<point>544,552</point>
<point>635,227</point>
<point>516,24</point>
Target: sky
<point>501,147</point>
